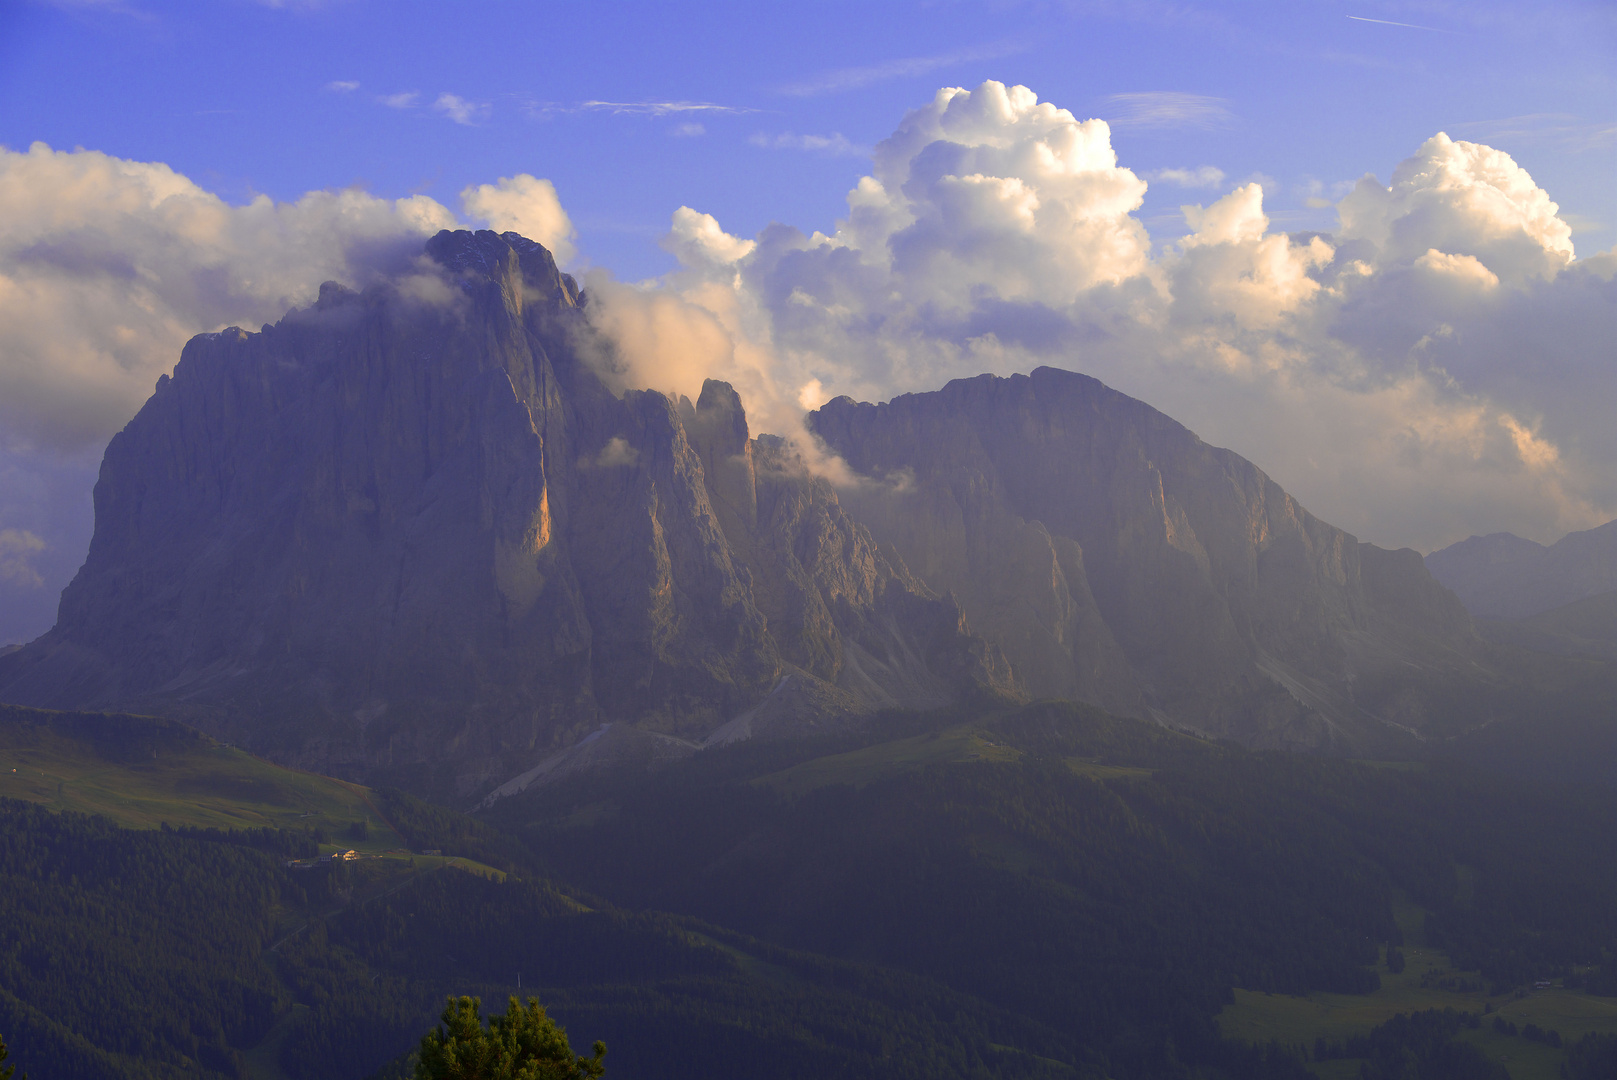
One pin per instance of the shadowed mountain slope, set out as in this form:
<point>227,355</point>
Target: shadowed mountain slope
<point>1502,576</point>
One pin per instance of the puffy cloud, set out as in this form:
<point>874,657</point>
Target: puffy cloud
<point>526,205</point>
<point>1463,199</point>
<point>1441,364</point>
<point>1436,367</point>
<point>697,240</point>
<point>107,268</point>
<point>460,110</point>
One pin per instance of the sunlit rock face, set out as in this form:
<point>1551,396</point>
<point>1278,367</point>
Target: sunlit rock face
<point>1116,558</point>
<point>408,533</point>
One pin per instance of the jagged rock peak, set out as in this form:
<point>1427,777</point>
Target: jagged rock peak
<point>498,256</point>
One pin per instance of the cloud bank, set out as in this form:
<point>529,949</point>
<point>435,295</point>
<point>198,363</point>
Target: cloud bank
<point>1439,365</point>
<point>107,268</point>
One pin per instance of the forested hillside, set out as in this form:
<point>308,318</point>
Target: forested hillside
<point>1106,877</point>
<point>1043,891</point>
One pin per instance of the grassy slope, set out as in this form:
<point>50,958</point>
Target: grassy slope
<point>860,767</point>
<point>1258,1017</point>
<point>142,772</point>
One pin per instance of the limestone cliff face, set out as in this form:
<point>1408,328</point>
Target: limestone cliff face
<point>1116,558</point>
<point>408,532</point>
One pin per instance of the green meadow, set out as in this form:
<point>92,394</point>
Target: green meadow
<point>1428,981</point>
<point>144,772</point>
<point>857,768</point>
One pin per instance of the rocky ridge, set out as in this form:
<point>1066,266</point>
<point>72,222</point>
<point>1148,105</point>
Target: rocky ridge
<point>408,533</point>
<point>1116,558</point>
<point>1502,576</point>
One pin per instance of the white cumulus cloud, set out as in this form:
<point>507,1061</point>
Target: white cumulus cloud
<point>107,268</point>
<point>1439,365</point>
<point>526,205</point>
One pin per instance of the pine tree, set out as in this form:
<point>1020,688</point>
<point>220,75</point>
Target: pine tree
<point>524,1044</point>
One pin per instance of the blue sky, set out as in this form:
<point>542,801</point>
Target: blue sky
<point>1437,362</point>
<point>235,95</point>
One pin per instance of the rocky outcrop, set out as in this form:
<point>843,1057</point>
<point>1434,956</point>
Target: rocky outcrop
<point>1116,558</point>
<point>1502,576</point>
<point>408,533</point>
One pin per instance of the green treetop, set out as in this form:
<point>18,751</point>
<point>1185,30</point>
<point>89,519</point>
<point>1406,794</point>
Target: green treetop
<point>524,1044</point>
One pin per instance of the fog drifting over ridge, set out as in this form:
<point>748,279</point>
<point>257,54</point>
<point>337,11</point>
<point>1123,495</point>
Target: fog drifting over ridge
<point>1439,365</point>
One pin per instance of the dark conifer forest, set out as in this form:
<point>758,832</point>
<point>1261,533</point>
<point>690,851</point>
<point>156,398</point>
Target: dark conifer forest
<point>1044,891</point>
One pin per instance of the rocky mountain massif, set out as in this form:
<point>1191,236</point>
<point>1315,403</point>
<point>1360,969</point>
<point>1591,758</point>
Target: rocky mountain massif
<point>1559,599</point>
<point>408,532</point>
<point>1118,559</point>
<point>411,534</point>
<point>1502,576</point>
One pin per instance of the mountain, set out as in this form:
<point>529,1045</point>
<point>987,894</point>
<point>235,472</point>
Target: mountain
<point>414,535</point>
<point>1116,558</point>
<point>1585,628</point>
<point>1502,576</point>
<point>409,531</point>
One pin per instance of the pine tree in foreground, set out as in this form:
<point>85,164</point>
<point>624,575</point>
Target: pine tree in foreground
<point>524,1044</point>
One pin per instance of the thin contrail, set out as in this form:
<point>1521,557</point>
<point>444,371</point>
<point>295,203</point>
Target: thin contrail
<point>1409,26</point>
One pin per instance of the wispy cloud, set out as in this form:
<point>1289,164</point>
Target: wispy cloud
<point>1167,109</point>
<point>450,106</point>
<point>833,145</point>
<point>108,7</point>
<point>653,108</point>
<point>341,86</point>
<point>1582,225</point>
<point>460,110</point>
<point>1203,176</point>
<point>688,110</point>
<point>688,130</point>
<point>834,82</point>
<point>1405,25</point>
<point>299,5</point>
<point>1573,132</point>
